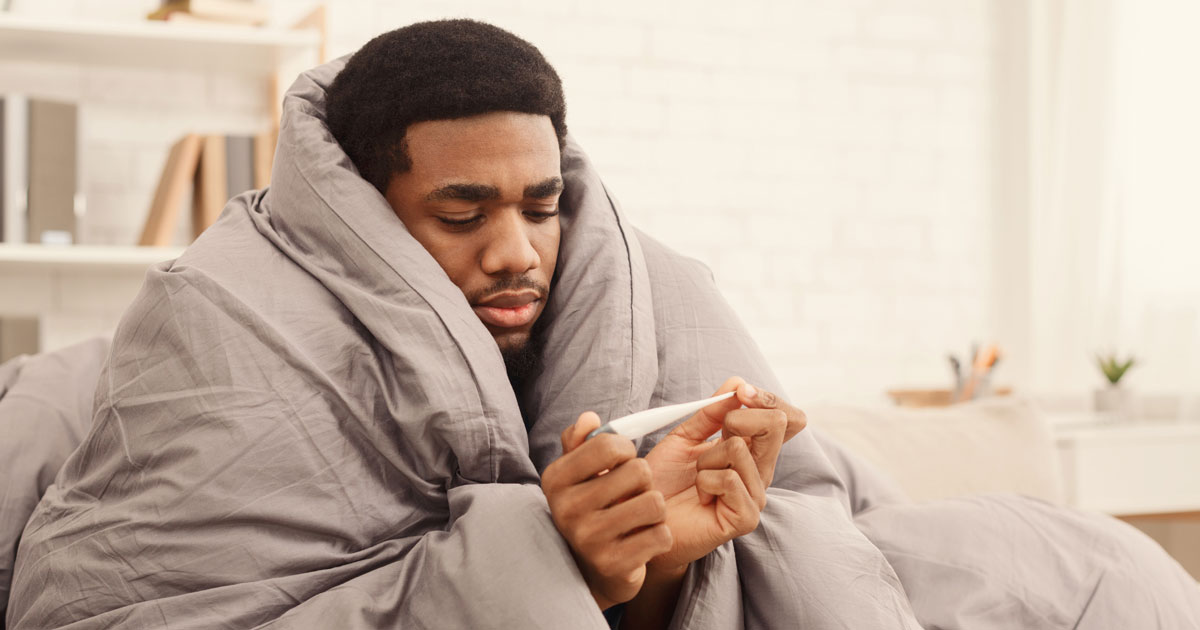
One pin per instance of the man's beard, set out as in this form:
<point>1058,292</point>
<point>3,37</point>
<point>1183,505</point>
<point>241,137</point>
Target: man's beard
<point>523,362</point>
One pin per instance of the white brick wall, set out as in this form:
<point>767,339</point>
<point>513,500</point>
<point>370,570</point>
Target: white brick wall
<point>829,159</point>
<point>72,305</point>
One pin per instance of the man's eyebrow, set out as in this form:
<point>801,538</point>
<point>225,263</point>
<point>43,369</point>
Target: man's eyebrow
<point>547,188</point>
<point>464,192</point>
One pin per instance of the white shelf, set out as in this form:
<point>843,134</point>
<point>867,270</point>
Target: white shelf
<point>1131,468</point>
<point>25,258</point>
<point>149,44</point>
<point>1132,430</point>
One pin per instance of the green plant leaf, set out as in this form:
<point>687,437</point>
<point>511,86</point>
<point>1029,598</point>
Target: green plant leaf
<point>1112,368</point>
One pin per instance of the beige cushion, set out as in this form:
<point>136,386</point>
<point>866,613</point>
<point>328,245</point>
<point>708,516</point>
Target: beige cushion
<point>995,445</point>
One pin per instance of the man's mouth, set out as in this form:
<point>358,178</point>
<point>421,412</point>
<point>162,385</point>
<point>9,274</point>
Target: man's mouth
<point>508,310</point>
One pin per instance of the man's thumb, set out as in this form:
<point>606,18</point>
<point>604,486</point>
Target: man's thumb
<point>574,435</point>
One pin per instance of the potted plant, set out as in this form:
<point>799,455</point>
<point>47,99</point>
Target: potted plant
<point>1114,399</point>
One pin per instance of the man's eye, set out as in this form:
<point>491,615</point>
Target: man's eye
<point>541,216</point>
<point>461,222</point>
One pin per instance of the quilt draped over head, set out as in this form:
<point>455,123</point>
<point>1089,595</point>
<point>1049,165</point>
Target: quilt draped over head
<point>303,424</point>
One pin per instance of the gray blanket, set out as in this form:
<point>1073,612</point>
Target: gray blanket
<point>45,410</point>
<point>302,424</point>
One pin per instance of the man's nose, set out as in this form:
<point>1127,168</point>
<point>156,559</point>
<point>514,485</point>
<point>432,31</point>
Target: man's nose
<point>509,250</point>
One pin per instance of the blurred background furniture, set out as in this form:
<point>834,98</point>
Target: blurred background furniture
<point>1141,472</point>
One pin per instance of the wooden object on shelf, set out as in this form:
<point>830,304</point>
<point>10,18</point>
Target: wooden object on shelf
<point>177,176</point>
<point>931,397</point>
<point>212,185</point>
<point>217,168</point>
<point>229,11</point>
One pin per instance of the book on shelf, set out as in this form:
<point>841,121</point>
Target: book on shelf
<point>215,168</point>
<point>39,170</point>
<point>226,170</point>
<point>53,171</point>
<point>173,184</point>
<point>224,11</point>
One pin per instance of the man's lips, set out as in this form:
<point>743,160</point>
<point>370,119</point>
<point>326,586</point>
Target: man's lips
<point>508,310</point>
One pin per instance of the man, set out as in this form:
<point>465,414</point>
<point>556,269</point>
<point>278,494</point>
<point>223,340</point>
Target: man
<point>473,172</point>
<point>308,419</point>
<point>288,418</point>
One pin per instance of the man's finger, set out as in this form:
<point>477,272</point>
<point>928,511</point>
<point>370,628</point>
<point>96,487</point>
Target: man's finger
<point>646,509</point>
<point>733,453</point>
<point>764,430</point>
<point>636,549</point>
<point>742,514</point>
<point>594,456</point>
<point>758,398</point>
<point>623,481</point>
<point>704,423</point>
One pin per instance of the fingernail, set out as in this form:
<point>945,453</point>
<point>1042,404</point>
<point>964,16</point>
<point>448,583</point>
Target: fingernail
<point>749,390</point>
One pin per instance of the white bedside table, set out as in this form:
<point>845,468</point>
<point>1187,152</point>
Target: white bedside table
<point>1131,468</point>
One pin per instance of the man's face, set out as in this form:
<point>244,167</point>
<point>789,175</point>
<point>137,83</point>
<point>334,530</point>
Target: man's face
<point>482,197</point>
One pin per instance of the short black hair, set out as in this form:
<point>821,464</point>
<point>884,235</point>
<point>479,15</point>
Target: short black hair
<point>437,70</point>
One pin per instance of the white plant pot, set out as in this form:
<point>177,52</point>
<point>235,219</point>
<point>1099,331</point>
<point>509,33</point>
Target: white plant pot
<point>1115,402</point>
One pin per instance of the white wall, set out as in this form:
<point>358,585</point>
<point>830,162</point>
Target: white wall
<point>831,160</point>
<point>1097,212</point>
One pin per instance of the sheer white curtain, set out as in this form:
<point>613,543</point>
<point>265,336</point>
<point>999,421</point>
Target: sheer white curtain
<point>1114,172</point>
<point>1073,247</point>
<point>1158,126</point>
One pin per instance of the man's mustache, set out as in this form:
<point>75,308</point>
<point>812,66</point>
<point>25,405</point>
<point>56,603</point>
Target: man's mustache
<point>511,283</point>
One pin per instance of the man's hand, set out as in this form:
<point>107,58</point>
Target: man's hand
<point>716,489</point>
<point>602,502</point>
